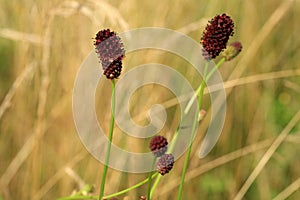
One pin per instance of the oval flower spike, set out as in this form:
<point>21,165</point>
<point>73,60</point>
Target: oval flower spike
<point>110,50</point>
<point>216,36</point>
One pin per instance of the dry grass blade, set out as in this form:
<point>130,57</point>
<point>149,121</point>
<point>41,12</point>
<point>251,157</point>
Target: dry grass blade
<point>27,148</point>
<point>19,159</point>
<point>7,100</point>
<point>40,122</point>
<point>288,190</point>
<point>68,8</point>
<point>56,177</point>
<point>292,86</point>
<point>20,36</point>
<point>281,137</point>
<point>193,26</point>
<point>113,13</point>
<point>295,138</point>
<point>75,177</point>
<point>254,79</point>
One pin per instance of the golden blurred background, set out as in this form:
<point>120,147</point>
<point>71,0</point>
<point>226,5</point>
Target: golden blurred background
<point>42,45</point>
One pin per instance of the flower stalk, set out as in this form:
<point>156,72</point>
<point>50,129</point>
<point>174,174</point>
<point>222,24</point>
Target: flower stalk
<point>111,130</point>
<point>193,132</point>
<point>150,179</point>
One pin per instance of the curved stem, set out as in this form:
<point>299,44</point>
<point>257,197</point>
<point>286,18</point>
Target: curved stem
<point>130,188</point>
<point>111,130</point>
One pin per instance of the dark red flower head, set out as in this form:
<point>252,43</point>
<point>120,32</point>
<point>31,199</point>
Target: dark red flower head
<point>110,50</point>
<point>216,36</point>
<point>165,164</point>
<point>158,145</point>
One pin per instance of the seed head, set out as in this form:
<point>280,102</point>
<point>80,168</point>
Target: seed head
<point>158,145</point>
<point>110,50</point>
<point>216,36</point>
<point>165,164</point>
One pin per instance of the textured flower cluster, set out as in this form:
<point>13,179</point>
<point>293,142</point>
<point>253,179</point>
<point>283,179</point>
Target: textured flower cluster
<point>110,50</point>
<point>216,36</point>
<point>165,164</point>
<point>159,146</point>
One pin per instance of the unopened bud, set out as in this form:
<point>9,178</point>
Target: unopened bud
<point>232,51</point>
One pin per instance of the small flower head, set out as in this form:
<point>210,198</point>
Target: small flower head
<point>232,50</point>
<point>201,115</point>
<point>110,50</point>
<point>158,145</point>
<point>216,36</point>
<point>143,197</point>
<point>165,164</point>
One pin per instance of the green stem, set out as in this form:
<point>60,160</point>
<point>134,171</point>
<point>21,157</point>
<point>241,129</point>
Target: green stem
<point>190,103</point>
<point>193,133</point>
<point>111,130</point>
<point>131,188</point>
<point>78,197</point>
<point>155,184</point>
<point>111,195</point>
<point>150,179</point>
<point>216,67</point>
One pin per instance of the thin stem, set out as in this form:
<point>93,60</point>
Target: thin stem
<point>78,197</point>
<point>131,188</point>
<point>150,179</point>
<point>193,133</point>
<point>216,67</point>
<point>111,130</point>
<point>189,105</point>
<point>155,185</point>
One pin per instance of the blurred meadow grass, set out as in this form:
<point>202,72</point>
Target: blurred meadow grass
<point>43,43</point>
